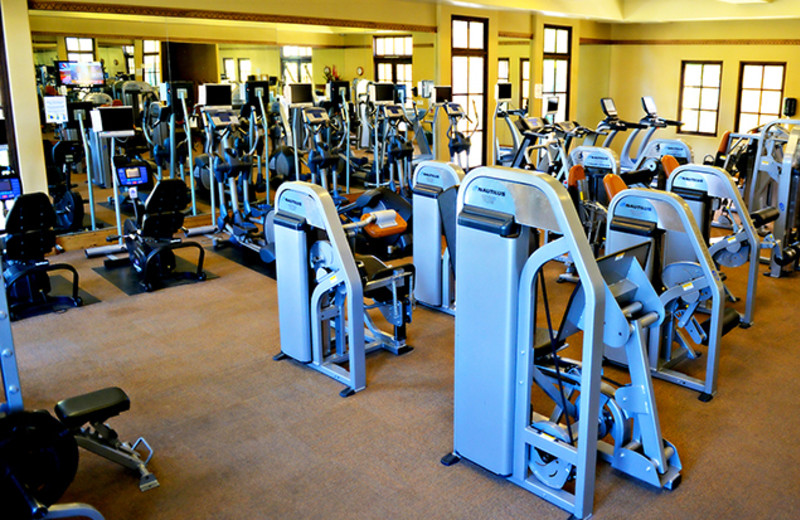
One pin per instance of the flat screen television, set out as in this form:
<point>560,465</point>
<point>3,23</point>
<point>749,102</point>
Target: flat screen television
<point>216,95</point>
<point>300,94</point>
<point>79,74</point>
<point>383,93</point>
<point>503,92</point>
<point>334,91</point>
<point>444,94</point>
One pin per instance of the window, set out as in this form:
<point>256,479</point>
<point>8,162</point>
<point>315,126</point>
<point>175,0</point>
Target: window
<point>469,56</point>
<point>296,64</point>
<point>699,97</point>
<point>556,64</point>
<point>80,49</point>
<point>130,62</point>
<point>229,69</point>
<point>760,94</point>
<point>525,84</point>
<point>152,61</point>
<point>244,69</point>
<point>503,72</point>
<point>393,56</point>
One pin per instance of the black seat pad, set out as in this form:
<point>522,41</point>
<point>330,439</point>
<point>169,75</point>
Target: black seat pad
<point>93,407</point>
<point>371,268</point>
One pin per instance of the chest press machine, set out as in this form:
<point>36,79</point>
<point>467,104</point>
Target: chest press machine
<point>435,188</point>
<point>680,264</point>
<point>520,410</point>
<point>322,285</point>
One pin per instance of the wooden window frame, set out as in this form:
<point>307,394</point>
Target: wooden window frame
<point>560,56</point>
<point>740,89</point>
<point>478,53</point>
<point>680,97</point>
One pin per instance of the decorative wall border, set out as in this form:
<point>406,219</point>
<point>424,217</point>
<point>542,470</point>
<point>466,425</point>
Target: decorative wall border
<point>177,39</point>
<point>521,36</point>
<point>603,41</point>
<point>170,12</point>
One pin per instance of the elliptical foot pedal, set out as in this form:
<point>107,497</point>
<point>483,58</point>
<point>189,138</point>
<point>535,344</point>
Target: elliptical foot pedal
<point>705,397</point>
<point>347,392</point>
<point>279,356</point>
<point>450,459</point>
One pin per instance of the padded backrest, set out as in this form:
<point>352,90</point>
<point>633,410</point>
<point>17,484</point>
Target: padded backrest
<point>613,184</point>
<point>29,228</point>
<point>723,144</point>
<point>447,211</point>
<point>669,163</point>
<point>163,210</point>
<point>576,174</point>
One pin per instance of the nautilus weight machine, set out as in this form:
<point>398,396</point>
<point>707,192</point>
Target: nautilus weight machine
<point>322,286</point>
<point>679,261</point>
<point>435,187</point>
<point>707,189</point>
<point>520,410</point>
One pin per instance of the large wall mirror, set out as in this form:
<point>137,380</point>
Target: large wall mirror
<point>121,60</point>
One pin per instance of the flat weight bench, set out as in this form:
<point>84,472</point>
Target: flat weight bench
<point>85,416</point>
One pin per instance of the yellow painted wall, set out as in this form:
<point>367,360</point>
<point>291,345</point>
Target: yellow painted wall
<point>321,58</point>
<point>264,59</point>
<point>45,57</point>
<point>592,83</point>
<point>109,55</point>
<point>358,53</point>
<point>654,68</point>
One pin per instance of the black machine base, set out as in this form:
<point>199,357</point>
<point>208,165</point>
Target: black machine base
<point>450,459</point>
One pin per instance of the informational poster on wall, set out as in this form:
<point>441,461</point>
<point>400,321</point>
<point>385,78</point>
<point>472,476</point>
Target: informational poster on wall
<point>55,109</point>
<point>537,90</point>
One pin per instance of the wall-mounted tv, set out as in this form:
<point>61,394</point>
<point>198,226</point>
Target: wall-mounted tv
<point>83,74</point>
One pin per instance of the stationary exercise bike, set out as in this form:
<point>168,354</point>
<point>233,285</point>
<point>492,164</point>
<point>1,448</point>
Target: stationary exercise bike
<point>30,235</point>
<point>150,236</point>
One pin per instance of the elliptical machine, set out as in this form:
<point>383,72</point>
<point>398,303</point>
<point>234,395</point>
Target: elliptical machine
<point>230,154</point>
<point>505,110</point>
<point>649,148</point>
